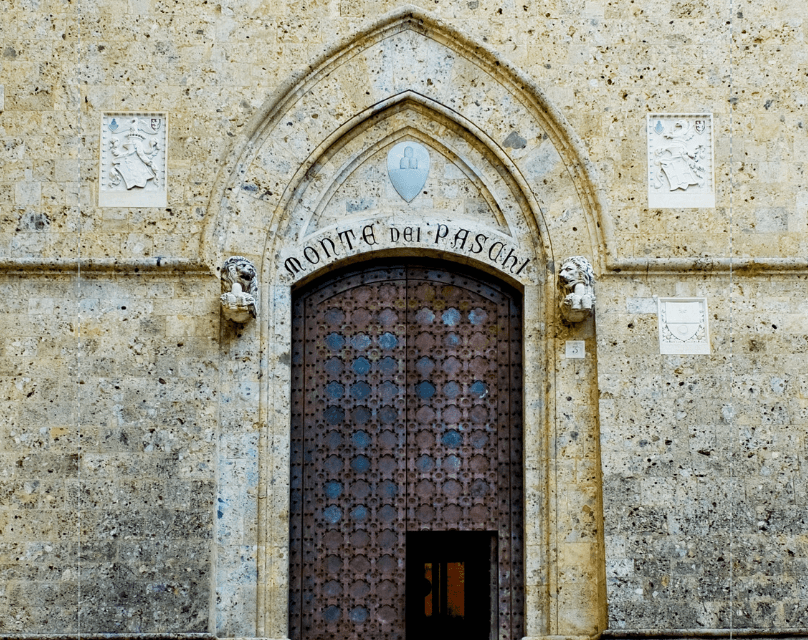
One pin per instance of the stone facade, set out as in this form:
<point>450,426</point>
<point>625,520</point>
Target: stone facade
<point>145,437</point>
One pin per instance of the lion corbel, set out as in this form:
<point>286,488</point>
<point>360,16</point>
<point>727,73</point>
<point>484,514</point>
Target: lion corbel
<point>576,282</point>
<point>239,289</point>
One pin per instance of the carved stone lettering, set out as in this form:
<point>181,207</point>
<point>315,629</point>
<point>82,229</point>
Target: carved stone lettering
<point>324,245</point>
<point>479,244</point>
<point>293,266</point>
<point>509,257</point>
<point>368,236</point>
<point>346,238</point>
<point>319,251</point>
<point>491,255</point>
<point>441,233</point>
<point>524,264</point>
<point>460,238</point>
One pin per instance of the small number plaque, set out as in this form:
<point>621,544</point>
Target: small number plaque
<point>576,349</point>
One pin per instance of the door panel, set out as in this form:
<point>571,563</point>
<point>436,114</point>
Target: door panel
<point>348,474</point>
<point>453,363</point>
<point>406,416</point>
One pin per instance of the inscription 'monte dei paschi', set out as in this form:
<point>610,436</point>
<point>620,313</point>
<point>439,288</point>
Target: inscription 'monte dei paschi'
<point>483,246</point>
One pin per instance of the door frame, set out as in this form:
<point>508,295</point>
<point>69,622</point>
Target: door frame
<point>274,449</point>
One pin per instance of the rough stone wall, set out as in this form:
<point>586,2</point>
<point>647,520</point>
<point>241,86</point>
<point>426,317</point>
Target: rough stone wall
<point>40,455</point>
<point>704,457</point>
<point>110,405</point>
<point>686,533</point>
<point>234,573</point>
<point>576,472</point>
<point>210,65</point>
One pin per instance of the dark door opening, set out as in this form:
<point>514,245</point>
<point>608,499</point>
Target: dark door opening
<point>449,585</point>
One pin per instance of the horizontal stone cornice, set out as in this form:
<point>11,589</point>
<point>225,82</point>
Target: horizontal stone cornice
<point>622,266</point>
<point>69,266</point>
<point>741,265</point>
<point>618,634</point>
<point>107,636</point>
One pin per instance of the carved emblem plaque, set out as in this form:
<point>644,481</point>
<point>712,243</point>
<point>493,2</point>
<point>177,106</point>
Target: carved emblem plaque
<point>683,326</point>
<point>408,168</point>
<point>133,160</point>
<point>680,160</point>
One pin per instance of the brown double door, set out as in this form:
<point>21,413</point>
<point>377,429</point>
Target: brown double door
<point>406,491</point>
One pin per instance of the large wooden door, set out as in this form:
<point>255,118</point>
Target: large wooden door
<point>406,417</point>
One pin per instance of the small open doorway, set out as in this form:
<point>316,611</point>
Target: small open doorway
<point>451,585</point>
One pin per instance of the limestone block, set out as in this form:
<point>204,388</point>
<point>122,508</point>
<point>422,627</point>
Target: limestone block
<point>28,193</point>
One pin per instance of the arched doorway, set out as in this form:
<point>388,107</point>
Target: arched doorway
<point>406,456</point>
<point>305,191</point>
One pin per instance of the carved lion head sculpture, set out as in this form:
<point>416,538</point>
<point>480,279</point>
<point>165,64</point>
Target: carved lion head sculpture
<point>575,270</point>
<point>239,269</point>
<point>576,282</point>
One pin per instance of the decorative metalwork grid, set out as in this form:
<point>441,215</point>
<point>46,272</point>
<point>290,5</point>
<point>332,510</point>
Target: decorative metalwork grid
<point>406,416</point>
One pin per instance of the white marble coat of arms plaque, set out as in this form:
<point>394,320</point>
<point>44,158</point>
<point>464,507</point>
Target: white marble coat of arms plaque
<point>408,168</point>
<point>680,160</point>
<point>133,160</point>
<point>683,326</point>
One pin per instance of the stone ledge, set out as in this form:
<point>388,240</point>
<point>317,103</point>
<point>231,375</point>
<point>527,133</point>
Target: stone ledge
<point>560,637</point>
<point>623,266</point>
<point>108,636</point>
<point>743,266</point>
<point>704,633</point>
<point>37,266</point>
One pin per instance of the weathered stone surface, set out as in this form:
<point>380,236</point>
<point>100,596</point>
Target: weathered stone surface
<point>145,442</point>
<point>109,448</point>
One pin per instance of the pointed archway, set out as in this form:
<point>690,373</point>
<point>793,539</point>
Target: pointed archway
<point>306,191</point>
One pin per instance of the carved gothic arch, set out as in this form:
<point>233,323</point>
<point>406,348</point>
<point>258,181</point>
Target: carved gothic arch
<point>524,100</point>
<point>515,212</point>
<point>523,161</point>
